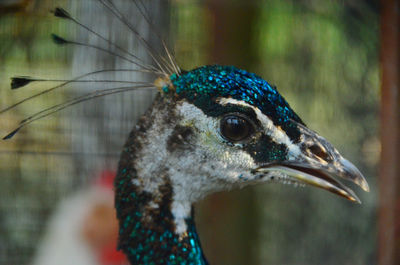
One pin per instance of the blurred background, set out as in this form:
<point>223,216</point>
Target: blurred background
<point>322,55</point>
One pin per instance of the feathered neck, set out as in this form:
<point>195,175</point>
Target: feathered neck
<point>154,227</point>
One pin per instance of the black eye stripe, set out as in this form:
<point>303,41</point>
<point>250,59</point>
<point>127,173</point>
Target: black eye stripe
<point>266,149</point>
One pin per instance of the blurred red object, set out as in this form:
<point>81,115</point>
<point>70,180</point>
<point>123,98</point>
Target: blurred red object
<point>106,179</point>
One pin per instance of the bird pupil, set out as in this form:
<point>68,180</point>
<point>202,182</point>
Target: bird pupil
<point>235,128</point>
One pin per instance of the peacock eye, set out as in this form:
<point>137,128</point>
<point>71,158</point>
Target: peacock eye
<point>236,128</point>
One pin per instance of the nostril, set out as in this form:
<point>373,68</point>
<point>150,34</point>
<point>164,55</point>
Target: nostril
<point>319,151</point>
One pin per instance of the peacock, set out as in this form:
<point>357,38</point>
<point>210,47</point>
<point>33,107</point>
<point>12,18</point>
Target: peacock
<point>213,128</point>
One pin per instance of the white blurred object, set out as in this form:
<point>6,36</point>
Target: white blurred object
<point>84,229</point>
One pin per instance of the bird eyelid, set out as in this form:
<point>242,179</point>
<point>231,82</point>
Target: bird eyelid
<point>242,115</point>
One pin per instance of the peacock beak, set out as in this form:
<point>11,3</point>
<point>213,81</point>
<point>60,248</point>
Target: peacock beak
<point>316,162</point>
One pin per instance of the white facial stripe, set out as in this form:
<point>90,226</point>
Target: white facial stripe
<point>180,211</point>
<point>277,135</point>
<point>209,126</point>
<point>226,101</point>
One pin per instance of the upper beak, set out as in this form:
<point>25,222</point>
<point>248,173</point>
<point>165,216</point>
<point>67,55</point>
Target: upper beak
<point>350,172</point>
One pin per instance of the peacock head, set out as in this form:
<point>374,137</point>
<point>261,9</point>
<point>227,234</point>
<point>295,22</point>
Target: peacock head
<point>234,129</point>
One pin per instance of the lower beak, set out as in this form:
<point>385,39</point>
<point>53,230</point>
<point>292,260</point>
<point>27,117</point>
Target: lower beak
<point>323,177</point>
